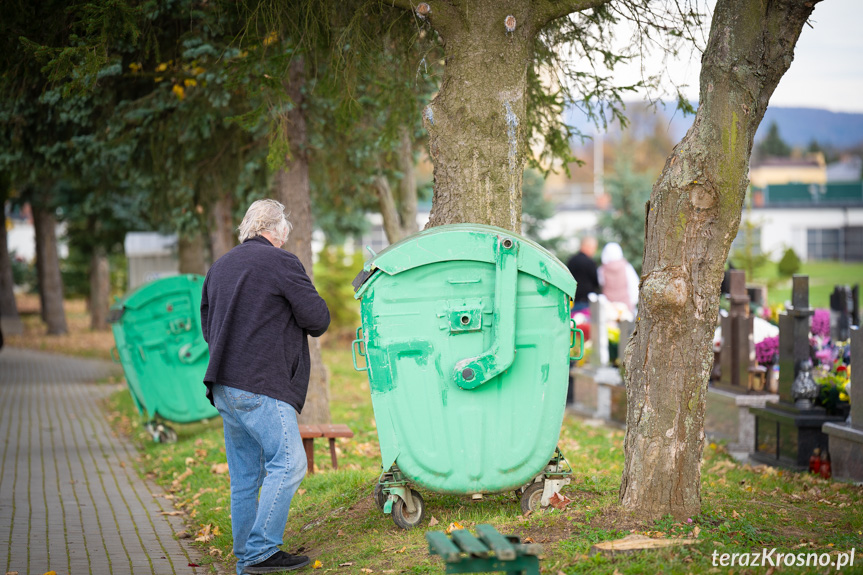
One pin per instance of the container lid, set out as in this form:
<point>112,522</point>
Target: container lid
<point>141,296</point>
<point>471,242</point>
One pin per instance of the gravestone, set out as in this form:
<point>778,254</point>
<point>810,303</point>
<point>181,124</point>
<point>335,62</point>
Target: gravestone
<point>597,386</point>
<point>727,415</point>
<point>846,439</point>
<point>841,308</point>
<point>598,334</point>
<point>738,350</point>
<point>786,434</point>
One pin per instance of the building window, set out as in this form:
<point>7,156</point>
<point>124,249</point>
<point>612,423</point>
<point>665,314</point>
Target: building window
<point>824,244</point>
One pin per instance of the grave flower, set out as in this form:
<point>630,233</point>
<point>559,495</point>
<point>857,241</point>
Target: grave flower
<point>766,349</point>
<point>821,323</point>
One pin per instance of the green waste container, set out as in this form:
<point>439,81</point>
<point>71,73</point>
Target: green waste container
<point>157,331</point>
<point>466,335</point>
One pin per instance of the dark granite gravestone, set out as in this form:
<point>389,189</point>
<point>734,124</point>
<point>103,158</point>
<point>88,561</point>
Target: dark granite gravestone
<point>785,434</point>
<point>738,351</point>
<point>846,439</point>
<point>841,308</point>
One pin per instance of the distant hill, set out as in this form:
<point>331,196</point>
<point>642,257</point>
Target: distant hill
<point>797,126</point>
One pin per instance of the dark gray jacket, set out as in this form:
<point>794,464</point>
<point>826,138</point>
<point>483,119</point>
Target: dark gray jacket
<point>257,306</point>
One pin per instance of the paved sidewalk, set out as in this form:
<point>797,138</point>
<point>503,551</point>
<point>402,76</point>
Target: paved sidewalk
<point>70,499</point>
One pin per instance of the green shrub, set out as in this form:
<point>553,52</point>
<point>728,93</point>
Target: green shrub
<point>789,264</point>
<point>334,272</point>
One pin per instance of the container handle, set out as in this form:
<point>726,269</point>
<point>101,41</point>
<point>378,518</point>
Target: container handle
<point>574,330</point>
<point>358,346</point>
<point>472,372</point>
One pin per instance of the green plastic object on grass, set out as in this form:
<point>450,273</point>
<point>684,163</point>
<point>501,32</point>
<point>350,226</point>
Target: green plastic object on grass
<point>466,335</point>
<point>157,331</point>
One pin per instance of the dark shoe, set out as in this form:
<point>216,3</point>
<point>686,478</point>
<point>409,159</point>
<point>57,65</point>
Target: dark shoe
<point>280,561</point>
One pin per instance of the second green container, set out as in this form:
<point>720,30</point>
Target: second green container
<point>466,334</point>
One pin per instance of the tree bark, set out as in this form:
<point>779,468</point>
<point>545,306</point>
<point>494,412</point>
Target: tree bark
<point>100,289</point>
<point>291,187</point>
<point>190,249</point>
<point>692,217</point>
<point>222,236</point>
<point>48,271</point>
<point>476,123</point>
<point>10,320</point>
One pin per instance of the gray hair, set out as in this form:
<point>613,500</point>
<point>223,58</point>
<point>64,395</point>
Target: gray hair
<point>265,216</point>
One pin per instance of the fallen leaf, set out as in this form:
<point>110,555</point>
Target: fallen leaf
<point>193,565</point>
<point>214,552</point>
<point>402,550</point>
<point>301,491</point>
<point>184,535</point>
<point>317,564</point>
<point>696,531</point>
<point>346,564</point>
<point>201,453</point>
<point>122,464</point>
<point>559,501</point>
<point>171,513</point>
<point>735,515</point>
<point>454,526</point>
<point>528,540</point>
<point>50,573</point>
<point>364,570</point>
<point>219,468</point>
<point>433,521</point>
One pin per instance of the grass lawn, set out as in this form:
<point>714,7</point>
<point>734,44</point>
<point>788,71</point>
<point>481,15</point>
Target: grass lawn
<point>336,522</point>
<point>823,276</point>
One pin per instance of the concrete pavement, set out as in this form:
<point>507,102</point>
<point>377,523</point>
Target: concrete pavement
<point>70,498</point>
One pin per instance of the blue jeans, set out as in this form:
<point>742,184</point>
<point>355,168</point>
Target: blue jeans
<point>265,453</point>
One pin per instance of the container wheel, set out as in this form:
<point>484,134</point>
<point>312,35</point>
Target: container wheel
<point>166,434</point>
<point>380,496</point>
<point>406,520</point>
<point>531,499</point>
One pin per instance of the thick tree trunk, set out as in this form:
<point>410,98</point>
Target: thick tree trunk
<point>10,321</point>
<point>100,289</point>
<point>48,268</point>
<point>476,123</point>
<point>291,187</point>
<point>190,249</point>
<point>692,217</point>
<point>222,235</point>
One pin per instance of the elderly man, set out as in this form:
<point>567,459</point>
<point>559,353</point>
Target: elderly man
<point>257,309</point>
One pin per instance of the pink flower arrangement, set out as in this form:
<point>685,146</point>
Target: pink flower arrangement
<point>821,323</point>
<point>765,350</point>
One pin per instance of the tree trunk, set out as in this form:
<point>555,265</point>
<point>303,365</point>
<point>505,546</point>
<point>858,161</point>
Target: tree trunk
<point>10,321</point>
<point>291,187</point>
<point>222,235</point>
<point>401,221</point>
<point>408,185</point>
<point>692,217</point>
<point>48,267</point>
<point>100,289</point>
<point>476,123</point>
<point>389,213</point>
<point>190,249</point>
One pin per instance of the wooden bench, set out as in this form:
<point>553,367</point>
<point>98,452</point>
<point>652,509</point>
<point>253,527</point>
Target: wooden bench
<point>330,431</point>
<point>489,551</point>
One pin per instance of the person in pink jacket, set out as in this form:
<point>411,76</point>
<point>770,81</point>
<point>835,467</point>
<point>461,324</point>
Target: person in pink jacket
<point>617,277</point>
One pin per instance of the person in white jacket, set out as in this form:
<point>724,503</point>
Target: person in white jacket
<point>617,277</point>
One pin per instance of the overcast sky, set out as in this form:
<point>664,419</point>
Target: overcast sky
<point>827,71</point>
